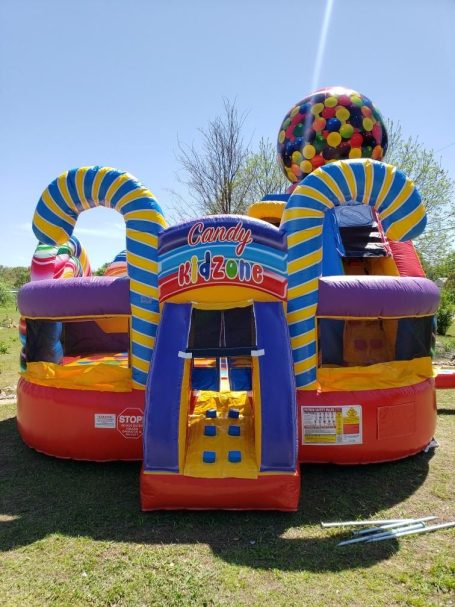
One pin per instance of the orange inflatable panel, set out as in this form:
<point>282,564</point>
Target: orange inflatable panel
<point>81,424</point>
<point>178,492</point>
<point>365,426</point>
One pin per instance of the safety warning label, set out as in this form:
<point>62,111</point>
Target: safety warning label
<point>332,425</point>
<point>105,420</point>
<point>129,423</point>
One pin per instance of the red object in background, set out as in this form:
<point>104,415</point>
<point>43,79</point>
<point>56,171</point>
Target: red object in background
<point>445,379</point>
<point>178,492</point>
<point>396,423</point>
<point>79,424</point>
<point>406,258</point>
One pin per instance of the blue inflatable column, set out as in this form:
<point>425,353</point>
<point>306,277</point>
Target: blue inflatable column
<point>278,393</point>
<point>164,389</point>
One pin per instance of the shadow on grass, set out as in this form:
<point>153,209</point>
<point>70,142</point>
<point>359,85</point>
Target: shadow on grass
<point>40,495</point>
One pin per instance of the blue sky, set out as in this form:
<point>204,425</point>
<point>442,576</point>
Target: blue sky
<point>118,82</point>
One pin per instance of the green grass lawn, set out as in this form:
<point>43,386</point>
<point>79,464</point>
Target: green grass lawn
<point>72,534</point>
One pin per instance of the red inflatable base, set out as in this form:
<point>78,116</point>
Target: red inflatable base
<point>81,424</point>
<point>365,427</point>
<point>178,492</point>
<point>445,379</point>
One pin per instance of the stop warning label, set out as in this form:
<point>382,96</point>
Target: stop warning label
<point>129,423</point>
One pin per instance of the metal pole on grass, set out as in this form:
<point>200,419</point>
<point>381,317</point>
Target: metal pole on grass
<point>393,525</point>
<point>386,536</point>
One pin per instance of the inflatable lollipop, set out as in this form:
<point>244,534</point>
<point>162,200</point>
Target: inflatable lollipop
<point>332,124</point>
<point>64,261</point>
<point>117,267</point>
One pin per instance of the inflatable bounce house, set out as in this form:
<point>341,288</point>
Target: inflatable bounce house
<point>226,350</point>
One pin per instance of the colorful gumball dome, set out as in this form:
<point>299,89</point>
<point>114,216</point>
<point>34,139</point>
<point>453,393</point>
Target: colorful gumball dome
<point>333,123</point>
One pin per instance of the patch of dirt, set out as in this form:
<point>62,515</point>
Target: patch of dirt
<point>7,393</point>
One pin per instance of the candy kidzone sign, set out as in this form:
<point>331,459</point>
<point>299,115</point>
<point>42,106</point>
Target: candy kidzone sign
<point>215,268</point>
<point>210,253</point>
<point>237,234</point>
<point>218,268</point>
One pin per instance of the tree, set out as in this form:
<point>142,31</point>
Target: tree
<point>212,173</point>
<point>445,268</point>
<point>262,171</point>
<point>5,295</point>
<point>435,186</point>
<point>102,269</point>
<point>14,277</point>
<point>22,276</point>
<point>226,175</point>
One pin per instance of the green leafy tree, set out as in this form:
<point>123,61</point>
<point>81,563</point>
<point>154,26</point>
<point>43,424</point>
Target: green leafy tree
<point>446,312</point>
<point>262,172</point>
<point>435,186</point>
<point>14,277</point>
<point>22,276</point>
<point>443,268</point>
<point>5,295</point>
<point>101,270</point>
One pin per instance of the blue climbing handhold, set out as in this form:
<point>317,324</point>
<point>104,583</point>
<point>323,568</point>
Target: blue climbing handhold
<point>210,431</point>
<point>234,413</point>
<point>235,457</point>
<point>234,430</point>
<point>210,413</point>
<point>209,457</point>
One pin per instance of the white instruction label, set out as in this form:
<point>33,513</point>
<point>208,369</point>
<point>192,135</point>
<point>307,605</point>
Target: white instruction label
<point>105,420</point>
<point>332,425</point>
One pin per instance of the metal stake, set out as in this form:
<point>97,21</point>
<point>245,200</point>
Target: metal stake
<point>393,525</point>
<point>367,522</point>
<point>386,536</point>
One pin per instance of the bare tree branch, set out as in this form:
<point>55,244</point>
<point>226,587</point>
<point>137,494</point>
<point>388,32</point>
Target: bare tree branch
<point>211,171</point>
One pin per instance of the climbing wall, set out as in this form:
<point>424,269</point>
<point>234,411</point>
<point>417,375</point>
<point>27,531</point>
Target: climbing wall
<point>221,437</point>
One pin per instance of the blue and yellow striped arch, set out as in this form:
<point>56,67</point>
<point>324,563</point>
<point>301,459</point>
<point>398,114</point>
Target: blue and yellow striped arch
<point>81,189</point>
<point>363,181</point>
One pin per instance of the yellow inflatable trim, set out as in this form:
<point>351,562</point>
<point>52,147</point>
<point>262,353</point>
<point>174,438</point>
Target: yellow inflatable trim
<point>395,374</point>
<point>77,318</point>
<point>99,377</point>
<point>267,210</point>
<point>185,399</point>
<point>221,295</point>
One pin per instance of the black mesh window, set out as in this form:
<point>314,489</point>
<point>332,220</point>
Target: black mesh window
<point>415,337</point>
<point>206,330</point>
<point>367,342</point>
<point>233,328</point>
<point>239,327</point>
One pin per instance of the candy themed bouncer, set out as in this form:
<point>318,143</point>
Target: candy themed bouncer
<point>226,350</point>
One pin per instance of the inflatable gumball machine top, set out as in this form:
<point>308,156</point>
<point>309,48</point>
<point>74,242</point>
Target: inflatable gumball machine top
<point>331,124</point>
